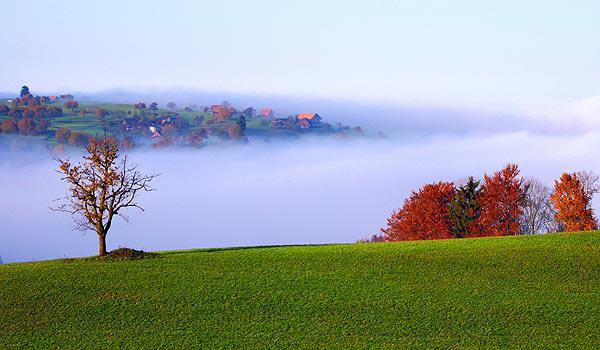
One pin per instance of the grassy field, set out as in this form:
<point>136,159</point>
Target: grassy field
<point>500,293</point>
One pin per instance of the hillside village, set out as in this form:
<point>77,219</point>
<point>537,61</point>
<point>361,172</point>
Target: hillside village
<point>63,120</point>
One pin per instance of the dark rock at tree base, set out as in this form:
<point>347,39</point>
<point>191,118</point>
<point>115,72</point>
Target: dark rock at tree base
<point>128,254</point>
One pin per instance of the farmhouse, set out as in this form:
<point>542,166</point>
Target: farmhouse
<point>155,133</point>
<point>309,120</point>
<point>280,123</point>
<point>221,112</point>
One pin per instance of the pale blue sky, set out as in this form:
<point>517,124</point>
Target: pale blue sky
<point>470,53</point>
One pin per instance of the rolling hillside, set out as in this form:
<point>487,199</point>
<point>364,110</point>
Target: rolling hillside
<point>511,292</point>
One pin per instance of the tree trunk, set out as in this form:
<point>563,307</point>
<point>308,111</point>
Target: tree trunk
<point>101,245</point>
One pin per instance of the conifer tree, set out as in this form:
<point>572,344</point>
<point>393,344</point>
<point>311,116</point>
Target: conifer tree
<point>464,210</point>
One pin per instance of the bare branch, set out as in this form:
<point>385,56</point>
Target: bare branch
<point>100,187</point>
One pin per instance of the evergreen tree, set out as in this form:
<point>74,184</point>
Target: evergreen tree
<point>24,91</point>
<point>242,122</point>
<point>464,210</point>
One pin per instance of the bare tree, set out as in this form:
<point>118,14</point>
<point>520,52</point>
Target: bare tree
<point>590,183</point>
<point>538,213</point>
<point>100,188</point>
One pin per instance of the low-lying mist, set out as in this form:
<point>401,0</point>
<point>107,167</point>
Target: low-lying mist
<point>301,192</point>
<point>392,118</point>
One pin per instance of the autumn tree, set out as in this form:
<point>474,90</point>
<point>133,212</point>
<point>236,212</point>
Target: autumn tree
<point>141,106</point>
<point>77,138</point>
<point>572,204</point>
<point>424,215</point>
<point>249,112</point>
<point>100,188</point>
<point>196,137</point>
<point>464,210</point>
<point>233,131</point>
<point>71,105</point>
<point>501,199</point>
<point>102,113</point>
<point>41,127</point>
<point>8,126</point>
<point>538,213</point>
<point>26,126</point>
<point>62,134</point>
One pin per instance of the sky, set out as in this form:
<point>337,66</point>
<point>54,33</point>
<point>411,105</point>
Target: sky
<point>493,54</point>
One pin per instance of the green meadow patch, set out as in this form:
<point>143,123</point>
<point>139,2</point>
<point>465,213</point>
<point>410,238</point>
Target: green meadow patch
<point>537,292</point>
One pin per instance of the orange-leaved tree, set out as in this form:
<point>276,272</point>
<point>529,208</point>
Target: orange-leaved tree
<point>101,188</point>
<point>424,214</point>
<point>501,199</point>
<point>572,204</point>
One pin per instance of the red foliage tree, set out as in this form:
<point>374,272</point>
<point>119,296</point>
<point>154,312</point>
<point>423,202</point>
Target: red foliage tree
<point>8,126</point>
<point>501,199</point>
<point>196,137</point>
<point>71,105</point>
<point>62,134</point>
<point>26,126</point>
<point>572,204</point>
<point>424,215</point>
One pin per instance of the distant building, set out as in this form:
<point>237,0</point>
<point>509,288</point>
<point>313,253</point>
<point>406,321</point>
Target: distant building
<point>312,119</point>
<point>303,124</point>
<point>221,111</point>
<point>280,123</point>
<point>266,112</point>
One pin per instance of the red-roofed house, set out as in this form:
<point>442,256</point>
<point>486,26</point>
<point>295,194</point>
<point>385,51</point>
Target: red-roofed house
<point>221,112</point>
<point>313,120</point>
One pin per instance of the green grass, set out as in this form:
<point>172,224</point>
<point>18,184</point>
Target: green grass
<point>538,292</point>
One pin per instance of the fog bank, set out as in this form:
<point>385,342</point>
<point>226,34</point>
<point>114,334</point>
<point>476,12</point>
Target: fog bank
<point>268,193</point>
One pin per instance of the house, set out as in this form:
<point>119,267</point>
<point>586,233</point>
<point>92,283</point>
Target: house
<point>280,123</point>
<point>53,98</point>
<point>266,112</point>
<point>303,124</point>
<point>155,134</point>
<point>168,120</point>
<point>221,112</point>
<point>313,119</point>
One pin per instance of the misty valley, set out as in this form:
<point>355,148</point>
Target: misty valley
<point>307,191</point>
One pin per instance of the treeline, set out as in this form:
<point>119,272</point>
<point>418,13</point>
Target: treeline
<point>502,204</point>
<point>29,114</point>
<point>147,124</point>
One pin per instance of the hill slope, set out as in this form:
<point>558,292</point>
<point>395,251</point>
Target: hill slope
<point>527,292</point>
